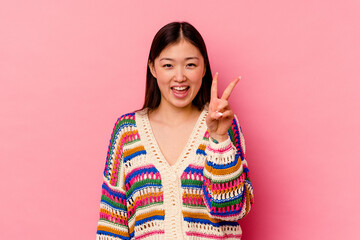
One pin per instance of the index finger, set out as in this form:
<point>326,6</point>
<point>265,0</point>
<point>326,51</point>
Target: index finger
<point>230,88</point>
<point>213,92</point>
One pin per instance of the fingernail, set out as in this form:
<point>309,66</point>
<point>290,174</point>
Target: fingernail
<point>219,114</point>
<point>239,77</point>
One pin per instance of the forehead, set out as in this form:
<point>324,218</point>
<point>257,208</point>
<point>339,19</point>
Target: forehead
<point>180,50</point>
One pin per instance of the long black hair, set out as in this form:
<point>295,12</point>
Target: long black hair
<point>170,34</point>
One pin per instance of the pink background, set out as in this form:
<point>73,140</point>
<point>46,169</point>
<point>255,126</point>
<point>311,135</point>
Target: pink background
<point>68,69</point>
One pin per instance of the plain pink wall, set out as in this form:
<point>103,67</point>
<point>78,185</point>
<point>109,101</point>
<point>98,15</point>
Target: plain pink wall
<point>68,69</point>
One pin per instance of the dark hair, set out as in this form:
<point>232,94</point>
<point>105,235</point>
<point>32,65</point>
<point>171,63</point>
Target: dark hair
<point>170,34</point>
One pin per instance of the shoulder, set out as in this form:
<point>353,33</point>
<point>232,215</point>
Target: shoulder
<point>127,119</point>
<point>121,134</point>
<point>124,122</point>
<point>122,127</point>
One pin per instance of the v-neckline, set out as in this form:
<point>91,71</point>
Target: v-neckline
<point>151,144</point>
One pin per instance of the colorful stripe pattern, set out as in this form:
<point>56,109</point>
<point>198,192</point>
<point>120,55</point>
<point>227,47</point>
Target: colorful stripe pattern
<point>227,188</point>
<point>215,189</point>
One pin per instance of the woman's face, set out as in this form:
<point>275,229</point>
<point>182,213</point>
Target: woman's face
<point>179,70</point>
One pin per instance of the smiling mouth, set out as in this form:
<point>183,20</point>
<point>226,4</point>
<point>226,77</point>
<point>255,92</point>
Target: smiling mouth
<point>180,92</point>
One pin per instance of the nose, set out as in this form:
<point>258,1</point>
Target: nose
<point>180,75</point>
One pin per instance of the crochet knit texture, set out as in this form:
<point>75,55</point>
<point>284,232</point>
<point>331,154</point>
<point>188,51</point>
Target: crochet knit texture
<point>202,196</point>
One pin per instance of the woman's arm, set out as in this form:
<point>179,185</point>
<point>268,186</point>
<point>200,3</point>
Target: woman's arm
<point>113,222</point>
<point>228,192</point>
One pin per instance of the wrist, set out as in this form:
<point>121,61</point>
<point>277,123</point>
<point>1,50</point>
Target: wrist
<point>219,138</point>
<point>220,146</point>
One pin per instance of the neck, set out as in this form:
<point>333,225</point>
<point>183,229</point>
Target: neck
<point>174,115</point>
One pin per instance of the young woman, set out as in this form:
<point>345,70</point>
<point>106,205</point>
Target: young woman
<point>176,169</point>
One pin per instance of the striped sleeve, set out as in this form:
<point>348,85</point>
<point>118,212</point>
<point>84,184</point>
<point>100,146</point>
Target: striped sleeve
<point>228,192</point>
<point>113,222</point>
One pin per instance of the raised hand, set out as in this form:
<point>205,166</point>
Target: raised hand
<point>220,115</point>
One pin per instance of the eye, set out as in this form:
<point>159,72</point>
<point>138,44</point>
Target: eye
<point>192,65</point>
<point>167,65</point>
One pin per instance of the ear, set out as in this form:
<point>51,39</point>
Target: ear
<point>152,68</point>
<point>204,72</point>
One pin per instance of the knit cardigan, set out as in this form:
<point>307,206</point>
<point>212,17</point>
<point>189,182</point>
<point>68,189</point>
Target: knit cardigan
<point>202,196</point>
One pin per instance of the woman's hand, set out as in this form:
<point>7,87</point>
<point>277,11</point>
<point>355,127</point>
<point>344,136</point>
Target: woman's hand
<point>220,114</point>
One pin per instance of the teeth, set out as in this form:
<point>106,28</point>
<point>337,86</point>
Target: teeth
<point>179,88</point>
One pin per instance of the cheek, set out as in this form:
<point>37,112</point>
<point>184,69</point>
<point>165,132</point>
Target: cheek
<point>197,76</point>
<point>163,76</point>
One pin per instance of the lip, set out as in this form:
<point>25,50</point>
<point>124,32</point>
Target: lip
<point>180,93</point>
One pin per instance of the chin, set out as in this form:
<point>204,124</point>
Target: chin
<point>181,103</point>
<point>184,105</point>
<point>178,102</point>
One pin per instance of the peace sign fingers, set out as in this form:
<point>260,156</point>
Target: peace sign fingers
<point>213,93</point>
<point>230,88</point>
<point>227,92</point>
<point>220,114</point>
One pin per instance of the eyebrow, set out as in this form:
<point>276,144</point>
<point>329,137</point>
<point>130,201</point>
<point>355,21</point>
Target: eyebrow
<point>188,58</point>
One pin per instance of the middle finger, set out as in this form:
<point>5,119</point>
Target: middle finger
<point>229,88</point>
